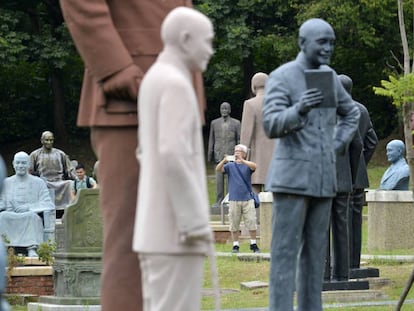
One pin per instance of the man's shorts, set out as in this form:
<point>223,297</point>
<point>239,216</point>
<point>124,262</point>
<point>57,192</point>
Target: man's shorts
<point>239,208</point>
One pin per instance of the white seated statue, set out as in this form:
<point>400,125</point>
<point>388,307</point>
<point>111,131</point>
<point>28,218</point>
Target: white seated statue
<point>24,196</point>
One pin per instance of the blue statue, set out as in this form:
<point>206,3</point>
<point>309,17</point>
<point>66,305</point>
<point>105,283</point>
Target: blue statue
<point>397,176</point>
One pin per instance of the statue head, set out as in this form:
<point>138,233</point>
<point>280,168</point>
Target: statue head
<point>225,109</point>
<point>47,139</point>
<point>259,81</point>
<point>316,42</point>
<point>188,34</point>
<point>21,163</point>
<point>395,150</point>
<point>346,83</point>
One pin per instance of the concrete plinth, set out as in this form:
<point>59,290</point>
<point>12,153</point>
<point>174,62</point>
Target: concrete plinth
<point>77,266</point>
<point>266,200</point>
<point>390,220</point>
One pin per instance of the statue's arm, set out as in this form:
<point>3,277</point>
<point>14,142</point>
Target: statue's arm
<point>280,116</point>
<point>370,143</point>
<point>211,141</point>
<point>247,125</point>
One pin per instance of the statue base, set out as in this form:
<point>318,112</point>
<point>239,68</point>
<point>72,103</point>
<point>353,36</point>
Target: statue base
<point>345,285</point>
<point>363,273</point>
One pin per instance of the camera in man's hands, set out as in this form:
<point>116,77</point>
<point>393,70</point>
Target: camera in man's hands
<point>230,158</point>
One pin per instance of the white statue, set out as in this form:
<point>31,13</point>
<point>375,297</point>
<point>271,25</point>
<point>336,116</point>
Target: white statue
<point>23,197</point>
<point>172,232</point>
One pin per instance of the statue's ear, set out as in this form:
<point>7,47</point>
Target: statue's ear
<point>301,42</point>
<point>185,41</point>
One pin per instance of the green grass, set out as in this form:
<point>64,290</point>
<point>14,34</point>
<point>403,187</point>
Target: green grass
<point>232,271</point>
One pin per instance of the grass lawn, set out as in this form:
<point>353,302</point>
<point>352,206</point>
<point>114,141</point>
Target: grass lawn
<point>232,272</point>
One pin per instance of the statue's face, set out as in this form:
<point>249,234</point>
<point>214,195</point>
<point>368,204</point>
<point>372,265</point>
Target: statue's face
<point>393,153</point>
<point>21,165</point>
<point>225,110</point>
<point>201,46</point>
<point>47,141</point>
<point>318,45</point>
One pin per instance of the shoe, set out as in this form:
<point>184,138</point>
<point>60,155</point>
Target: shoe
<point>32,253</point>
<point>235,249</point>
<point>254,248</point>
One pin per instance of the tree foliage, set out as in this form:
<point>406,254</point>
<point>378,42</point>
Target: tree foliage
<point>41,72</point>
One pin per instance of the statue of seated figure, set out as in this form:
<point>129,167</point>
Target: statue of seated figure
<point>24,196</point>
<point>397,176</point>
<point>54,166</point>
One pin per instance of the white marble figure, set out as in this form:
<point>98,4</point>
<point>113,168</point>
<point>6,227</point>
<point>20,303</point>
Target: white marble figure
<point>24,196</point>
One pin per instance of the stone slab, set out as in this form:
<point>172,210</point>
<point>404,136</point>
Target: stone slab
<point>253,285</point>
<point>345,285</point>
<point>31,271</point>
<point>363,273</point>
<point>37,306</point>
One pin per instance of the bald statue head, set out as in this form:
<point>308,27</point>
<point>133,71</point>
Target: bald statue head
<point>21,163</point>
<point>346,83</point>
<point>316,42</point>
<point>225,109</point>
<point>189,35</point>
<point>259,81</point>
<point>47,139</point>
<point>395,150</point>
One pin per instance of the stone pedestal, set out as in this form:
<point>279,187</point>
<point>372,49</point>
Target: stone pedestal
<point>77,266</point>
<point>390,220</point>
<point>266,199</point>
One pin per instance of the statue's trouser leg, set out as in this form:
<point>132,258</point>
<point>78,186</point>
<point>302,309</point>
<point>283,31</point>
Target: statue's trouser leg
<point>355,232</point>
<point>115,148</point>
<point>172,282</point>
<point>219,187</point>
<point>299,223</point>
<point>340,243</point>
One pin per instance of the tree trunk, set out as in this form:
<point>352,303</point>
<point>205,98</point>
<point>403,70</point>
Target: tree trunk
<point>58,104</point>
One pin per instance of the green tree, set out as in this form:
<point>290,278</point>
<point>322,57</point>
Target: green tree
<point>39,70</point>
<point>400,87</point>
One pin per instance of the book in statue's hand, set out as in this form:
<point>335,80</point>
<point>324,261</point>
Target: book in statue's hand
<point>322,79</point>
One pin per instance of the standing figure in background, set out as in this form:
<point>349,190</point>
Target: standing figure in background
<point>172,232</point>
<point>224,136</point>
<point>54,166</point>
<point>397,175</point>
<point>118,41</point>
<point>82,181</point>
<point>24,196</point>
<point>360,177</point>
<point>302,174</point>
<point>239,172</point>
<point>252,134</point>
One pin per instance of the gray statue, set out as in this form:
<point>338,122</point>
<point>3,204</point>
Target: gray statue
<point>302,173</point>
<point>224,136</point>
<point>24,196</point>
<point>360,178</point>
<point>397,176</point>
<point>54,166</point>
<point>252,134</point>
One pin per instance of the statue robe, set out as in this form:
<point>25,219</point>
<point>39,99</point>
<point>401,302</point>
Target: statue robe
<point>23,229</point>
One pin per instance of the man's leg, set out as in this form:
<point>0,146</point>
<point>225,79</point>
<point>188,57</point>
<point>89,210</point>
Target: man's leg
<point>340,242</point>
<point>355,231</point>
<point>118,183</point>
<point>312,255</point>
<point>287,222</point>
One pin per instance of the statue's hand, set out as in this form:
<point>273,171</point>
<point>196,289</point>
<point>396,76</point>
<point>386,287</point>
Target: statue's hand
<point>310,99</point>
<point>21,208</point>
<point>200,234</point>
<point>124,84</point>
